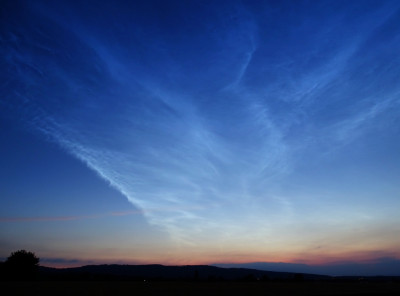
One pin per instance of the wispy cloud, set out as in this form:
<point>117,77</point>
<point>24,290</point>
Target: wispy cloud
<point>39,219</point>
<point>94,216</point>
<point>199,123</point>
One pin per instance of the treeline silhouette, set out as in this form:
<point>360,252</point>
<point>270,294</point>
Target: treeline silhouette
<point>24,266</point>
<point>20,265</point>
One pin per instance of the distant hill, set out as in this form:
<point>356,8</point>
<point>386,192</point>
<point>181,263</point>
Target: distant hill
<point>386,267</point>
<point>161,272</point>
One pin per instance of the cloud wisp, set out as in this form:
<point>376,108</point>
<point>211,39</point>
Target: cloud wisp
<point>205,121</point>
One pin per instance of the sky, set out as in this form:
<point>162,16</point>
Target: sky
<point>201,132</point>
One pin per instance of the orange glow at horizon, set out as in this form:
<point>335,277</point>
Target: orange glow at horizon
<point>315,259</point>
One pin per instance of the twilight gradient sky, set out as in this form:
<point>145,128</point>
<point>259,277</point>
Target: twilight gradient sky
<point>198,132</point>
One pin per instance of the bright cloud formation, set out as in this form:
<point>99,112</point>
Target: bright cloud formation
<point>229,122</point>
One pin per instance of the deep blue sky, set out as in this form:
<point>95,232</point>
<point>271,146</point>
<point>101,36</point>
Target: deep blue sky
<point>183,132</point>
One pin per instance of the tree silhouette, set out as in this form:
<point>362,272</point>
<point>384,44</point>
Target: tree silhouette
<point>22,265</point>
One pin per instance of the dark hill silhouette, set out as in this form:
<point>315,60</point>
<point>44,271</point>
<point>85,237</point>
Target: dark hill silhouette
<point>161,272</point>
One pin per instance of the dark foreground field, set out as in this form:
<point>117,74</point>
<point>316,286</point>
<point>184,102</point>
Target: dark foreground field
<point>198,288</point>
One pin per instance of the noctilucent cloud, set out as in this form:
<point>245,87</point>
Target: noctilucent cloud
<point>198,132</point>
